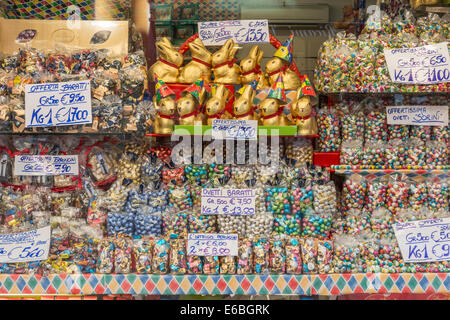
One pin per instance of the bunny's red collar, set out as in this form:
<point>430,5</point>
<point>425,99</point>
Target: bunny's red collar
<point>280,111</point>
<point>255,70</point>
<point>229,63</point>
<point>202,62</point>
<point>169,63</point>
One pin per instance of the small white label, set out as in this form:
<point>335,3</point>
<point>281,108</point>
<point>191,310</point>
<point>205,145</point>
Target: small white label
<point>420,65</point>
<point>228,202</point>
<point>216,33</point>
<point>212,244</point>
<point>234,129</point>
<point>424,240</point>
<point>58,104</point>
<point>418,115</point>
<point>30,165</point>
<point>25,246</point>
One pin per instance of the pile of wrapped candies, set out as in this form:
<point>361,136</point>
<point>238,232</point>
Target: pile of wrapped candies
<point>347,63</point>
<point>117,88</point>
<point>359,130</point>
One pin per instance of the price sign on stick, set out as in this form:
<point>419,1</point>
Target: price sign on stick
<point>420,65</point>
<point>25,246</point>
<point>30,165</point>
<point>58,104</point>
<point>424,240</point>
<point>212,244</point>
<point>228,201</point>
<point>216,33</point>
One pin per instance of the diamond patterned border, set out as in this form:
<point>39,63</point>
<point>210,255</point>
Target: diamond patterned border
<point>276,284</point>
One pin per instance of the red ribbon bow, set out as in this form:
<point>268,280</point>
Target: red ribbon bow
<point>229,63</point>
<point>255,70</point>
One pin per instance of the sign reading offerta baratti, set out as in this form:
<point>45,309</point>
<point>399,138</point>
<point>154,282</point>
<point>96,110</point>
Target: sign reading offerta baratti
<point>58,104</point>
<point>216,33</point>
<point>420,65</point>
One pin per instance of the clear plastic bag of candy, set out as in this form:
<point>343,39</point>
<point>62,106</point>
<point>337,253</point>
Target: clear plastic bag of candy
<point>325,197</point>
<point>199,223</point>
<point>352,123</point>
<point>397,195</point>
<point>194,265</point>
<point>160,262</point>
<point>418,196</point>
<point>438,194</point>
<point>243,175</point>
<point>105,262</point>
<point>346,254</point>
<point>180,197</point>
<point>142,252</point>
<point>245,256</point>
<point>116,197</point>
<point>219,174</point>
<point>101,166</point>
<point>5,109</point>
<point>177,256</point>
<point>211,265</point>
<point>316,224</point>
<point>278,200</point>
<point>293,256</point>
<point>389,257</point>
<point>232,224</point>
<point>151,169</point>
<point>110,114</point>
<point>357,221</point>
<point>132,83</point>
<point>120,223</point>
<point>424,133</point>
<point>196,174</point>
<point>261,256</point>
<point>416,155</point>
<point>148,223</point>
<point>396,154</point>
<point>329,131</point>
<point>259,224</point>
<point>381,222</point>
<point>299,152</point>
<point>398,132</point>
<point>175,224</point>
<point>172,175</point>
<point>301,196</point>
<point>309,255</point>
<point>324,256</point>
<point>436,154</point>
<point>376,195</point>
<point>352,153</point>
<point>277,256</point>
<point>375,126</point>
<point>374,155</point>
<point>85,239</point>
<point>122,254</point>
<point>354,193</point>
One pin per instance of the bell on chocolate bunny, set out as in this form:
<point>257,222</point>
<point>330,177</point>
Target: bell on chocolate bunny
<point>271,108</point>
<point>164,101</point>
<point>168,64</point>
<point>301,109</point>
<point>200,66</point>
<point>280,63</point>
<point>189,105</point>
<point>251,69</point>
<point>226,71</point>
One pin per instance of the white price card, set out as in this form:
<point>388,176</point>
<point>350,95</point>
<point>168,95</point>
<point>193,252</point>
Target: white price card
<point>420,65</point>
<point>58,104</point>
<point>424,240</point>
<point>27,246</point>
<point>31,165</point>
<point>234,129</point>
<point>216,33</point>
<point>212,244</point>
<point>228,201</point>
<point>418,115</point>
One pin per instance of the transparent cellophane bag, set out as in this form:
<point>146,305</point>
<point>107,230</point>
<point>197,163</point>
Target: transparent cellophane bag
<point>177,256</point>
<point>151,169</point>
<point>299,152</point>
<point>346,254</point>
<point>122,254</point>
<point>381,223</point>
<point>85,239</point>
<point>316,224</point>
<point>277,256</point>
<point>175,224</point>
<point>352,152</point>
<point>160,262</point>
<point>329,130</point>
<point>325,197</point>
<point>142,252</point>
<point>261,248</point>
<point>101,165</point>
<point>245,256</point>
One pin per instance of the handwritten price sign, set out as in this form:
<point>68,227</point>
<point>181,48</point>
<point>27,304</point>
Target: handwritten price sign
<point>228,201</point>
<point>26,246</point>
<point>27,165</point>
<point>424,240</point>
<point>235,129</point>
<point>58,104</point>
<point>216,33</point>
<point>421,65</point>
<point>212,244</point>
<point>418,115</point>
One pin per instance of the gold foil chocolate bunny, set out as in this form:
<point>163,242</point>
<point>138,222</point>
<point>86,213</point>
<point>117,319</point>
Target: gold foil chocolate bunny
<point>168,64</point>
<point>200,66</point>
<point>215,106</point>
<point>280,63</point>
<point>164,101</point>
<point>243,106</point>
<point>251,69</point>
<point>301,109</point>
<point>226,71</point>
<point>189,105</point>
<point>271,108</point>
